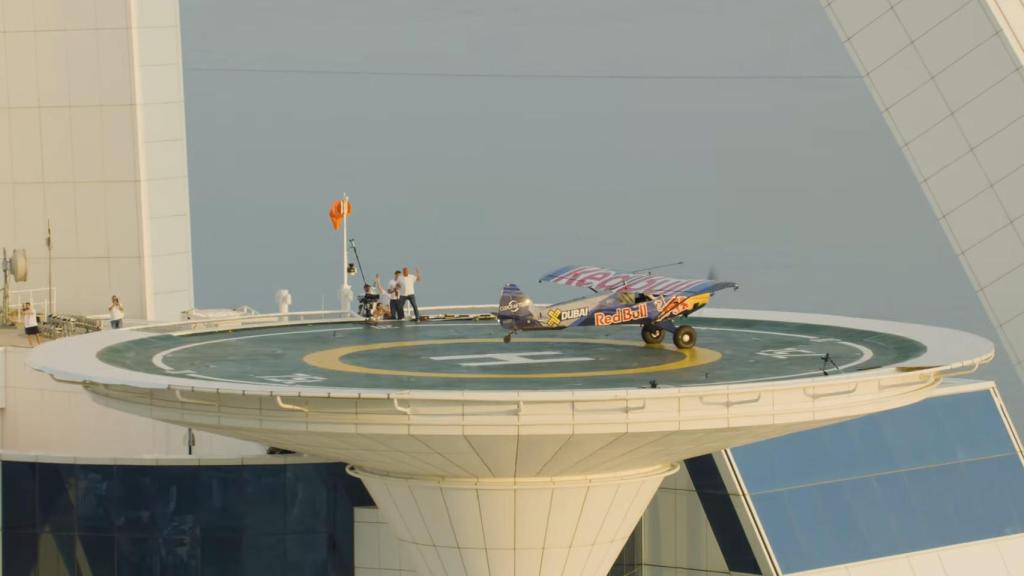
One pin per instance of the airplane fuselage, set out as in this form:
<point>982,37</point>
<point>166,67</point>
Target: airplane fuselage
<point>606,310</point>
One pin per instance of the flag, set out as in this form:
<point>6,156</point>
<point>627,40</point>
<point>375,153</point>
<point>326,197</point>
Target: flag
<point>339,211</point>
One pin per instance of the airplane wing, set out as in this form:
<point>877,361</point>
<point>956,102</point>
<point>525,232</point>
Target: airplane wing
<point>604,280</point>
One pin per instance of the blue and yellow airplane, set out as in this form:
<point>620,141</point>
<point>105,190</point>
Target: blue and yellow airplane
<point>653,302</point>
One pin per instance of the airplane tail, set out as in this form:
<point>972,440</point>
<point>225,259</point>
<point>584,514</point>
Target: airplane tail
<point>513,306</point>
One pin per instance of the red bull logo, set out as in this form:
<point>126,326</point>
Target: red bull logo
<point>622,315</point>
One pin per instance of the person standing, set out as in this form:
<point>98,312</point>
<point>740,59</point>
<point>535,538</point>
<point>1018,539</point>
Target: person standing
<point>407,286</point>
<point>116,312</point>
<point>385,296</point>
<point>394,292</point>
<point>31,322</point>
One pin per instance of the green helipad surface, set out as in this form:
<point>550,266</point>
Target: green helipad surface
<point>454,355</point>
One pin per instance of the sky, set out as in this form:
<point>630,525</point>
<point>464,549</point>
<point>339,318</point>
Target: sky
<point>487,141</point>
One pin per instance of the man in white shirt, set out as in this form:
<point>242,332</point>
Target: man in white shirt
<point>407,289</point>
<point>31,322</point>
<point>394,296</point>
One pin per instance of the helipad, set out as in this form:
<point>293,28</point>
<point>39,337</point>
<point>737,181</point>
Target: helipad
<point>471,356</point>
<point>533,457</point>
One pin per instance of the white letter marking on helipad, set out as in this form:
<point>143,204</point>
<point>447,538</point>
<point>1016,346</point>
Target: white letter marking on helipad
<point>515,358</point>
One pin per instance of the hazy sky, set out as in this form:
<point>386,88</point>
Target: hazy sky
<point>490,141</point>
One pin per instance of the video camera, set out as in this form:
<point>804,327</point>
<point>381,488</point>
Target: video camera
<point>367,302</point>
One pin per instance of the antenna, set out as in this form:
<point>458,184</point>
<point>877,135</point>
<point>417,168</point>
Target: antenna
<point>352,243</point>
<point>49,273</point>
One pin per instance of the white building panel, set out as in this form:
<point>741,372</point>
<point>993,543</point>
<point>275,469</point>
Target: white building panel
<point>52,68</point>
<point>977,219</point>
<point>114,49</point>
<point>74,74</point>
<point>953,93</point>
<point>84,67</point>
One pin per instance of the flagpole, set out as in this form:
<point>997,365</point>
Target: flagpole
<point>345,295</point>
<point>344,241</point>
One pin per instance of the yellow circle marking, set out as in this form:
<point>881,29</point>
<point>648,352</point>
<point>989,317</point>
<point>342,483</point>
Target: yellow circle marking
<point>332,359</point>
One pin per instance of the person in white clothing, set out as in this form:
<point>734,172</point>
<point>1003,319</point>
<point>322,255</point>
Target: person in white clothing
<point>31,322</point>
<point>116,312</point>
<point>407,289</point>
<point>385,296</point>
<point>394,293</point>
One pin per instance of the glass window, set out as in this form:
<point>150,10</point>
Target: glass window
<point>136,502</point>
<point>56,554</point>
<point>136,520</point>
<point>307,554</point>
<point>94,498</point>
<point>19,553</point>
<point>179,556</point>
<point>96,554</point>
<point>56,498</point>
<point>308,490</point>
<point>935,431</point>
<point>177,500</point>
<point>138,555</point>
<point>264,494</point>
<point>19,497</point>
<point>857,519</point>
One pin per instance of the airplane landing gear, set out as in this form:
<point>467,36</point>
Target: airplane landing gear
<point>507,338</point>
<point>652,334</point>
<point>684,337</point>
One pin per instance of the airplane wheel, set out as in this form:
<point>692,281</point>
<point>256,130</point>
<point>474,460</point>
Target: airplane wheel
<point>684,337</point>
<point>506,338</point>
<point>652,335</point>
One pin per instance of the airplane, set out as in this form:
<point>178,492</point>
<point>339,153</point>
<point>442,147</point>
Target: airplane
<point>622,298</point>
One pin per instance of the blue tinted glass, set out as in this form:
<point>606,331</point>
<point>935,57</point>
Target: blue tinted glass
<point>247,499</point>
<point>177,500</point>
<point>138,520</point>
<point>220,555</point>
<point>56,498</point>
<point>265,494</point>
<point>307,554</point>
<point>308,492</point>
<point>19,558</point>
<point>221,500</point>
<point>96,554</point>
<point>136,501</point>
<point>19,497</point>
<point>935,431</point>
<point>266,555</point>
<point>95,498</point>
<point>56,554</point>
<point>852,520</point>
<point>179,556</point>
<point>138,556</point>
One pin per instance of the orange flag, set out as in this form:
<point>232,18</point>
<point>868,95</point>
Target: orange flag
<point>340,209</point>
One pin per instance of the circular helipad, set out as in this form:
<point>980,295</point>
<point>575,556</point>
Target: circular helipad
<point>470,355</point>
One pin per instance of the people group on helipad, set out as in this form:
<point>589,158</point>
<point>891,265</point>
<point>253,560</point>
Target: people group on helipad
<point>389,302</point>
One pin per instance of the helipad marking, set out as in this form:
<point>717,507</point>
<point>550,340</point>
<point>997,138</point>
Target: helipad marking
<point>513,358</point>
<point>158,358</point>
<point>332,359</point>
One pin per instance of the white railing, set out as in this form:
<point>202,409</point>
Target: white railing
<point>39,297</point>
<point>301,317</point>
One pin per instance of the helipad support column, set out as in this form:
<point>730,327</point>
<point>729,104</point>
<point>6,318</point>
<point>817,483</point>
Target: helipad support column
<point>947,76</point>
<point>522,527</point>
